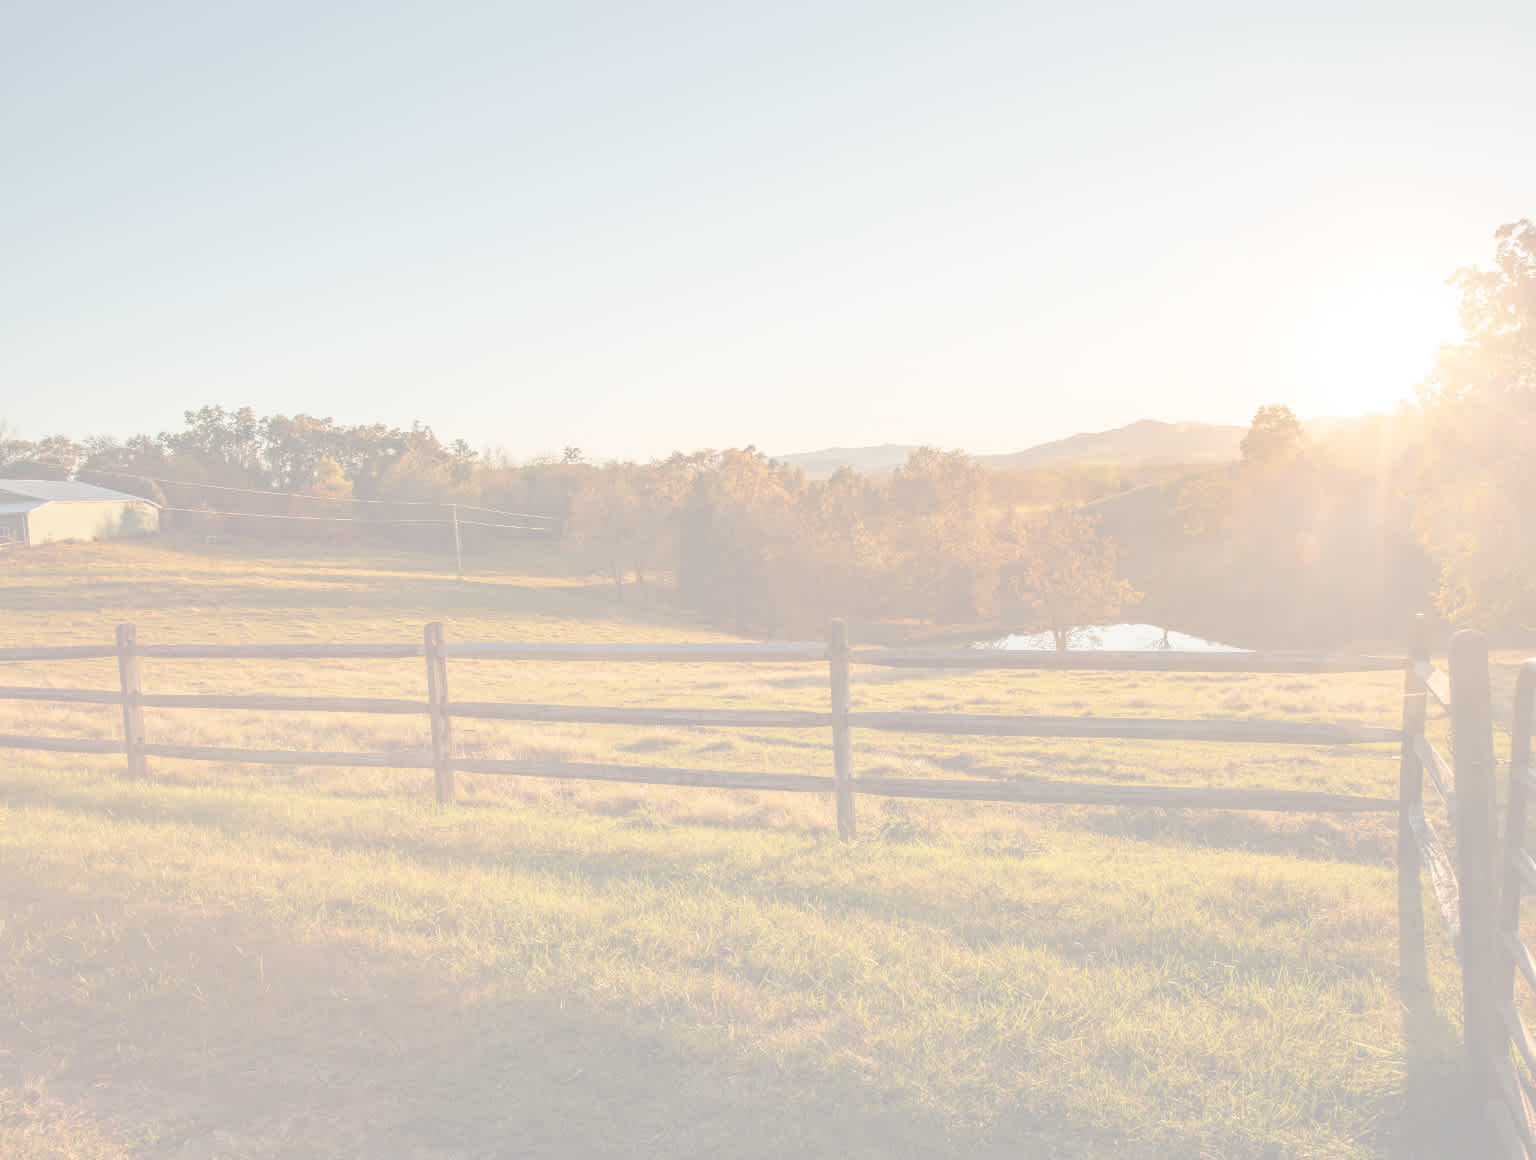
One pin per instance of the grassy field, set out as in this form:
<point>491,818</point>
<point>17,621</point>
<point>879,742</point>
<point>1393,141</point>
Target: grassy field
<point>245,962</point>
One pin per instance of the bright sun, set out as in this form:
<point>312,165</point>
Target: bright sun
<point>1363,344</point>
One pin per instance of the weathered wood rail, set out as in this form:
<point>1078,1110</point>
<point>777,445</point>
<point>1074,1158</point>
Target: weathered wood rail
<point>839,718</point>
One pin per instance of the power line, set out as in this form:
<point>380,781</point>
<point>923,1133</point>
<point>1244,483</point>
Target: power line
<point>479,524</point>
<point>285,516</point>
<point>317,498</point>
<point>259,490</point>
<point>349,519</point>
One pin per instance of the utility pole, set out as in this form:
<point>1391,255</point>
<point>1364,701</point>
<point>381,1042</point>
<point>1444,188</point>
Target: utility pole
<point>458,545</point>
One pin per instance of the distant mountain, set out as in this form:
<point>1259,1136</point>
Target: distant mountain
<point>1147,441</point>
<point>881,460</point>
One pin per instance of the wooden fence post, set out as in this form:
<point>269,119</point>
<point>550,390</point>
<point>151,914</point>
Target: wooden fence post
<point>1476,850</point>
<point>842,740</point>
<point>1410,772</point>
<point>133,709</point>
<point>437,708</point>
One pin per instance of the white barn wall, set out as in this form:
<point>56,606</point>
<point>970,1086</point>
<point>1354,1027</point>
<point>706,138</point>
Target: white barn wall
<point>90,520</point>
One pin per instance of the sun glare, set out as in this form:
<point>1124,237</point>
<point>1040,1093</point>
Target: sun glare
<point>1365,344</point>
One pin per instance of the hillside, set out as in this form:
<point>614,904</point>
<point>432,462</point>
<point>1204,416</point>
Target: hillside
<point>1317,552</point>
<point>1142,442</point>
<point>880,460</point>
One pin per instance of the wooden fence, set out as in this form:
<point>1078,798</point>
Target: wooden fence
<point>1479,892</point>
<point>1483,924</point>
<point>839,718</point>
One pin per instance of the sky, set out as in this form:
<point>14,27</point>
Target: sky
<point>638,227</point>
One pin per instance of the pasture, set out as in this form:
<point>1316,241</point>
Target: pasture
<point>247,962</point>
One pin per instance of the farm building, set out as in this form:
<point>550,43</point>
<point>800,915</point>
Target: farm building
<point>42,511</point>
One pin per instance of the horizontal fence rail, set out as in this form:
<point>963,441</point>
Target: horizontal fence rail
<point>400,759</point>
<point>648,775</point>
<point>287,652</point>
<point>65,652</point>
<point>1435,683</point>
<point>1163,797</point>
<point>1127,728</point>
<point>653,718</point>
<point>60,744</point>
<point>750,652</point>
<point>1439,771</point>
<point>442,710</point>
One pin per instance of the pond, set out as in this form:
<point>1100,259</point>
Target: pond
<point>1112,637</point>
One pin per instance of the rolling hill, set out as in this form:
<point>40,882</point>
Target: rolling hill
<point>1144,441</point>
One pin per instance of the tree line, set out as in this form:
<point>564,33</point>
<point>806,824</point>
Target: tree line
<point>745,540</point>
<point>1294,543</point>
<point>754,544</point>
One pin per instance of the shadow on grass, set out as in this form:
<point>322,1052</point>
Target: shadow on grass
<point>1437,1119</point>
<point>247,1041</point>
<point>979,920</point>
<point>201,1036</point>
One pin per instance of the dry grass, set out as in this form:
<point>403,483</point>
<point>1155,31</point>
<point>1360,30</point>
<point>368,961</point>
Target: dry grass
<point>257,962</point>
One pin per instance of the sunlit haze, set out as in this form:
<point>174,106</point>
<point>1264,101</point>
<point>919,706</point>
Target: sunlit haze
<point>694,580</point>
<point>634,229</point>
<point>1362,340</point>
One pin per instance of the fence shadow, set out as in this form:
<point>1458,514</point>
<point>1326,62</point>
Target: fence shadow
<point>1435,1096</point>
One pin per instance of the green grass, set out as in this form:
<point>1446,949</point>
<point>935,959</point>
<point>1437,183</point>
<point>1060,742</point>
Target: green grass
<point>271,963</point>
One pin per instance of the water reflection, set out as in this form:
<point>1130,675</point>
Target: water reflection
<point>1112,637</point>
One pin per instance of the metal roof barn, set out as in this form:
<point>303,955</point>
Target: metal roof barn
<point>46,511</point>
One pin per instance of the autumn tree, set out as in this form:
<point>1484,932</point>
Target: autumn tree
<point>221,446</point>
<point>52,458</point>
<point>740,541</point>
<point>1275,434</point>
<point>940,524</point>
<point>848,558</point>
<point>1477,495</point>
<point>1065,574</point>
<point>605,521</point>
<point>660,490</point>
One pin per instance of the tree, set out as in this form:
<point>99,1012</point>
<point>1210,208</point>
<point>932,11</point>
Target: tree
<point>1477,491</point>
<point>740,550</point>
<point>294,449</point>
<point>605,520</point>
<point>843,552</point>
<point>130,467</point>
<point>225,446</point>
<point>1065,574</point>
<point>1275,434</point>
<point>1496,359</point>
<point>52,458</point>
<point>939,522</point>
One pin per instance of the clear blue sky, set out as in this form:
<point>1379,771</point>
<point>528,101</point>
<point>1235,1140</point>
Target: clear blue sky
<point>635,227</point>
